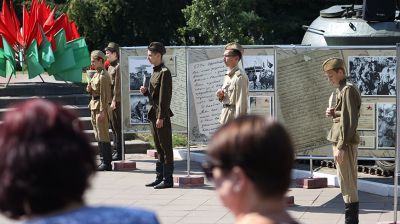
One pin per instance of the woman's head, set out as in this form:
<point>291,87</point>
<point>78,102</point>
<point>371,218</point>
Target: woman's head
<point>255,148</point>
<point>45,159</point>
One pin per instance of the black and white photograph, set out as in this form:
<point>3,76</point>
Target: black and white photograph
<point>386,125</point>
<point>367,142</point>
<point>139,108</point>
<point>373,75</point>
<point>260,105</point>
<point>140,71</point>
<point>260,71</point>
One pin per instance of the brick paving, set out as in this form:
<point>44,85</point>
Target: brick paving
<point>201,204</point>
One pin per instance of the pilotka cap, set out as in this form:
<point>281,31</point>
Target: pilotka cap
<point>234,46</point>
<point>332,63</point>
<point>113,47</point>
<point>157,47</point>
<point>98,54</point>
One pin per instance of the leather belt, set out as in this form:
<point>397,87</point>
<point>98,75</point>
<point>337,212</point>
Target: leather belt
<point>95,97</point>
<point>228,105</point>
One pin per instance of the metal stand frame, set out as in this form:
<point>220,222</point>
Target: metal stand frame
<point>396,172</point>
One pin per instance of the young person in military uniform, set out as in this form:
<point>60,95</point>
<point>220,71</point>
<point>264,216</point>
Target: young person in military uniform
<point>99,88</point>
<point>112,53</point>
<point>160,94</point>
<point>343,134</point>
<point>235,89</point>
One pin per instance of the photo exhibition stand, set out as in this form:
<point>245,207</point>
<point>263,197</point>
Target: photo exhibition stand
<point>296,96</point>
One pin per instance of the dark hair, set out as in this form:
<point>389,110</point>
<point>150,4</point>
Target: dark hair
<point>236,52</point>
<point>261,147</point>
<point>45,159</point>
<point>338,69</point>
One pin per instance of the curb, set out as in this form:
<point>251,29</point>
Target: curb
<point>363,185</point>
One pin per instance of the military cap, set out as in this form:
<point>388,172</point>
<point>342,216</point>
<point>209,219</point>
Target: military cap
<point>98,54</point>
<point>332,63</point>
<point>157,47</point>
<point>113,47</point>
<point>234,46</point>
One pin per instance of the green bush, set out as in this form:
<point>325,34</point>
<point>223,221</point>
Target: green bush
<point>178,140</point>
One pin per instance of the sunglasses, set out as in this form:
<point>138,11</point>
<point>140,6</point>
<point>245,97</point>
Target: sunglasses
<point>207,168</point>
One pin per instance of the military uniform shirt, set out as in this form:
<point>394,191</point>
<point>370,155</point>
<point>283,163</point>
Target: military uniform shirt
<point>347,113</point>
<point>236,92</point>
<point>160,93</point>
<point>113,71</point>
<point>101,89</point>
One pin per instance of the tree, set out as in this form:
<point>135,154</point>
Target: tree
<point>129,23</point>
<point>221,21</point>
<point>283,19</point>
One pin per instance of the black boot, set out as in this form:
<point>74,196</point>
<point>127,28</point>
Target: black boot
<point>117,155</point>
<point>105,148</point>
<point>168,181</point>
<point>351,213</point>
<point>159,175</point>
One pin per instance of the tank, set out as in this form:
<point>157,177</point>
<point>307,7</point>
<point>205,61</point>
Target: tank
<point>373,23</point>
<point>349,25</point>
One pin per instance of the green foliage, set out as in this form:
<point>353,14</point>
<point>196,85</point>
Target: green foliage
<point>283,19</point>
<point>193,22</point>
<point>221,21</point>
<point>129,23</point>
<point>59,4</point>
<point>178,140</point>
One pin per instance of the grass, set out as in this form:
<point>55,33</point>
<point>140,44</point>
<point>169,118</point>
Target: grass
<point>178,140</point>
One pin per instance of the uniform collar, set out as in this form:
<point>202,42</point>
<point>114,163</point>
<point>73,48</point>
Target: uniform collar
<point>100,70</point>
<point>342,83</point>
<point>114,63</point>
<point>232,71</point>
<point>158,67</point>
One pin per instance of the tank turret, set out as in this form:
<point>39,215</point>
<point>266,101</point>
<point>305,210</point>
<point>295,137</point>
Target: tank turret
<point>367,24</point>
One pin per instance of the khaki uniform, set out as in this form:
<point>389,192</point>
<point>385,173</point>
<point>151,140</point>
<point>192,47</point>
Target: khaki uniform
<point>101,96</point>
<point>160,94</point>
<point>343,135</point>
<point>115,115</point>
<point>236,92</point>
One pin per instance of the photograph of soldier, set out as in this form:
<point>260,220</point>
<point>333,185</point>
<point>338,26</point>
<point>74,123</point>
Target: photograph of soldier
<point>139,72</point>
<point>260,105</point>
<point>139,109</point>
<point>260,71</point>
<point>373,75</point>
<point>386,125</point>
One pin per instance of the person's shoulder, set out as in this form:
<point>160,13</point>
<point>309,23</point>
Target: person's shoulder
<point>128,215</point>
<point>132,212</point>
<point>105,75</point>
<point>101,215</point>
<point>239,72</point>
<point>165,69</point>
<point>104,72</point>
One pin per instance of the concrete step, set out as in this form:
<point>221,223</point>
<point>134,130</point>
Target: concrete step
<point>132,146</point>
<point>81,110</point>
<point>73,99</point>
<point>42,89</point>
<point>90,134</point>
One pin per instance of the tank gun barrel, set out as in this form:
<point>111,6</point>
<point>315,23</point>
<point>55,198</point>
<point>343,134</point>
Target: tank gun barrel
<point>305,27</point>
